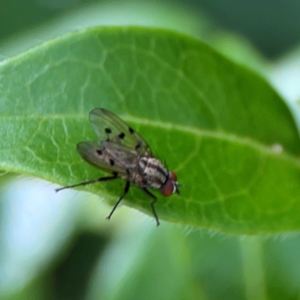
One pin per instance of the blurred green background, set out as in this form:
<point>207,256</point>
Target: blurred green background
<point>59,246</point>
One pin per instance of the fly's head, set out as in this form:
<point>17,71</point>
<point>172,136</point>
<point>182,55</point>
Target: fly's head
<point>171,185</point>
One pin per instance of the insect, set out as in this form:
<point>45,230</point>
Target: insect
<point>124,154</point>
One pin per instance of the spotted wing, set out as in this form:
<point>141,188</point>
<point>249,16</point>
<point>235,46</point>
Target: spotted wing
<point>109,127</point>
<point>110,157</point>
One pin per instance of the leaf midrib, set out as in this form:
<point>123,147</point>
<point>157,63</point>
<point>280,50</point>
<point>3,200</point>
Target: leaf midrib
<point>245,141</point>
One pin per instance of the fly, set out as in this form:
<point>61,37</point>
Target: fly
<point>123,153</point>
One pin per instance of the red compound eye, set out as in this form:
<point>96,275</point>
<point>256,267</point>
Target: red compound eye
<point>172,176</point>
<point>168,188</point>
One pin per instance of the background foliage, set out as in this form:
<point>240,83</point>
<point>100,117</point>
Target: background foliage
<point>58,246</point>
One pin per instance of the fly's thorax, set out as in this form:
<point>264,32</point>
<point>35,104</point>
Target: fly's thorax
<point>150,173</point>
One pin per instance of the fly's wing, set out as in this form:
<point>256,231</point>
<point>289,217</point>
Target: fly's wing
<point>110,157</point>
<point>109,127</point>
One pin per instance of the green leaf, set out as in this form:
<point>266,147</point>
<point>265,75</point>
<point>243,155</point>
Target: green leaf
<point>222,128</point>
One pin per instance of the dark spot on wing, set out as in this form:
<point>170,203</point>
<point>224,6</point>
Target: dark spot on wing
<point>99,151</point>
<point>107,130</point>
<point>112,162</point>
<point>115,173</point>
<point>138,146</point>
<point>122,135</point>
<point>130,130</point>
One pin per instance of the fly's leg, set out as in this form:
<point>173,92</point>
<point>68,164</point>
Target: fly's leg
<point>126,189</point>
<point>154,199</point>
<point>107,178</point>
